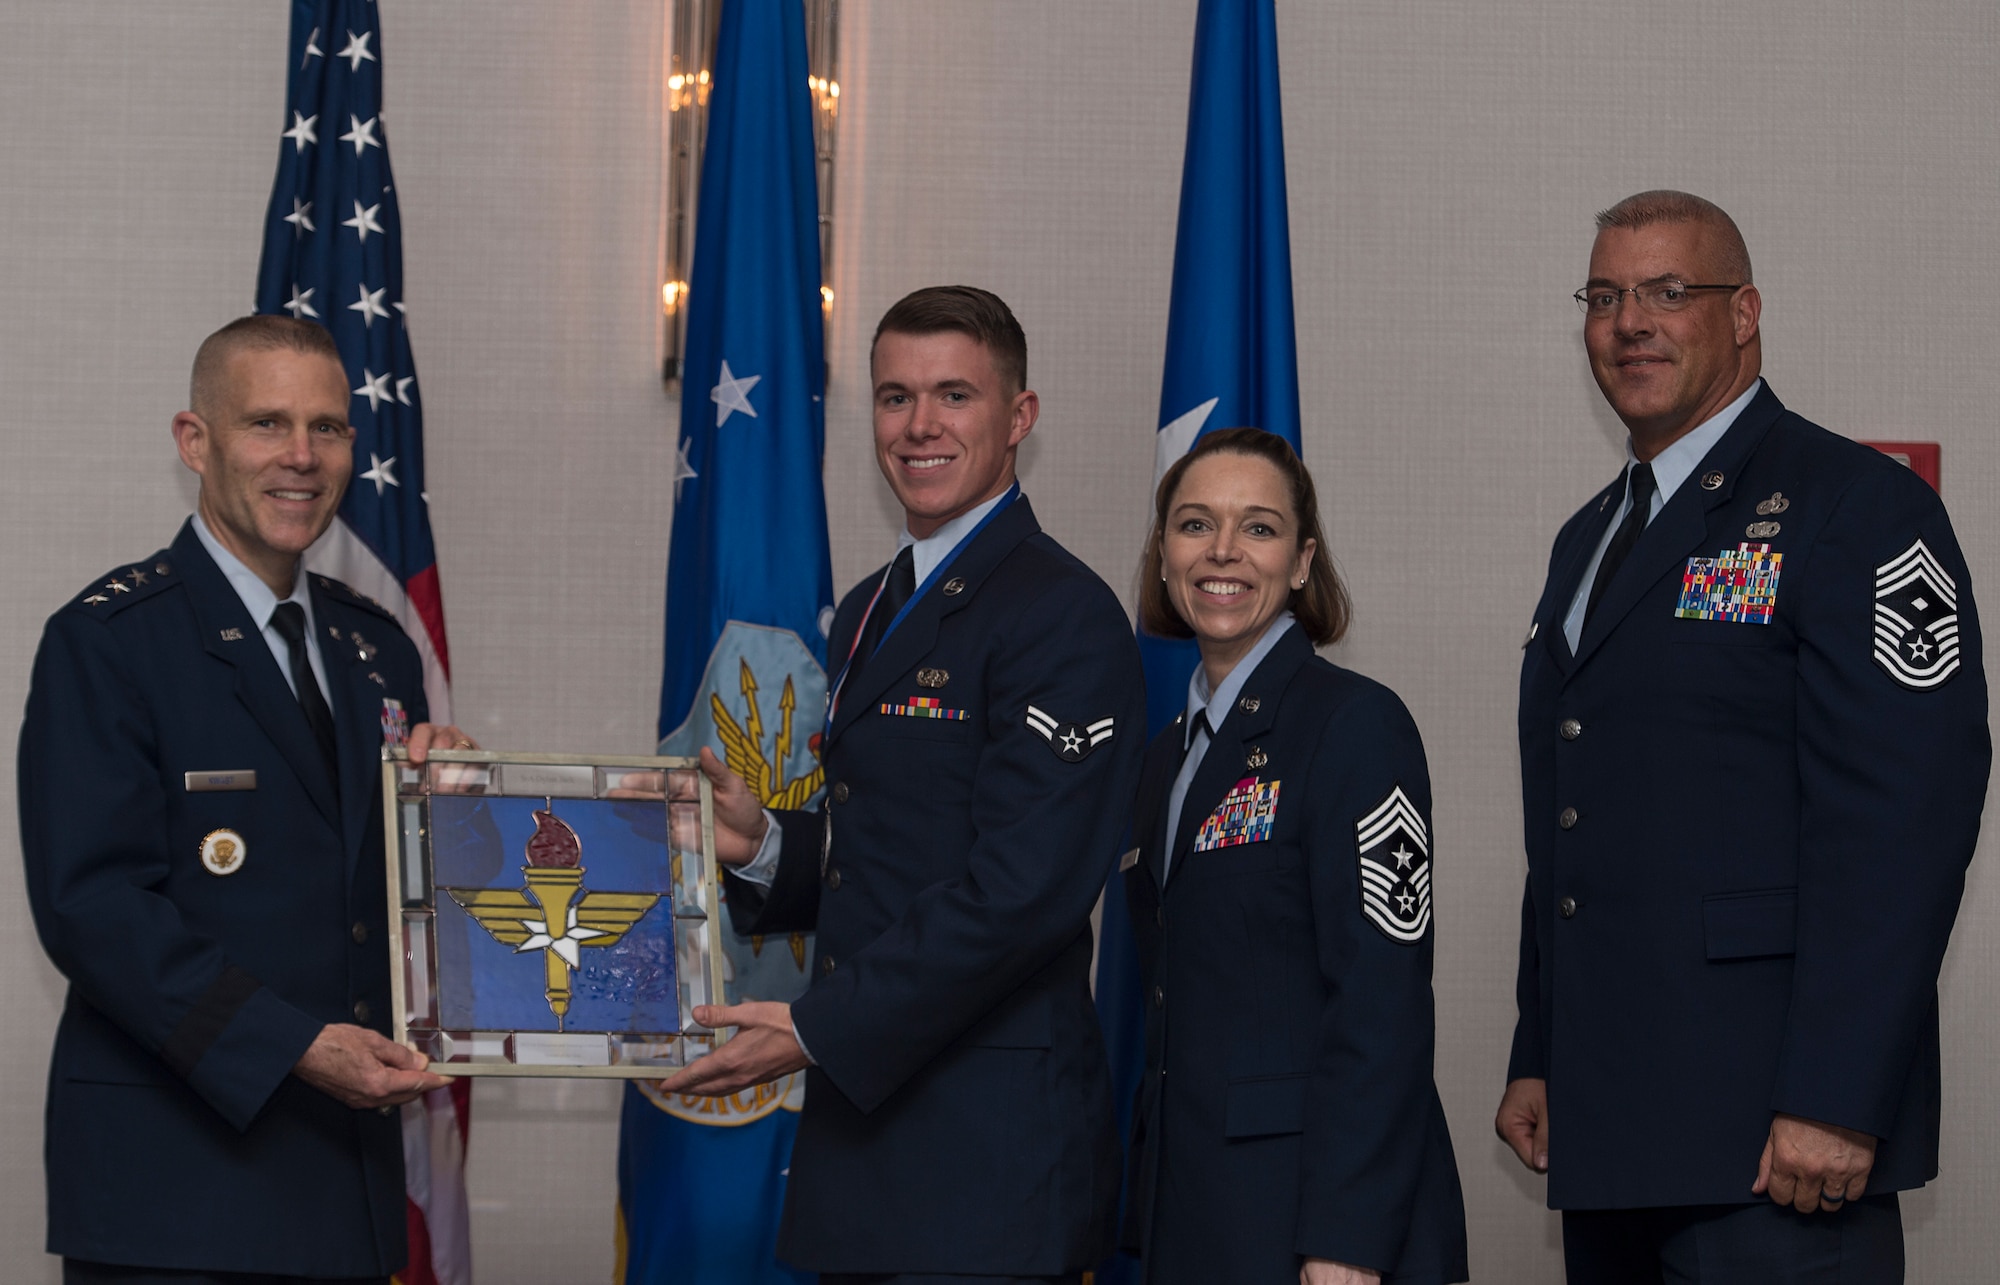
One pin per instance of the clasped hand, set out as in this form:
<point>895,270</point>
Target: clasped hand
<point>1806,1164</point>
<point>1811,1166</point>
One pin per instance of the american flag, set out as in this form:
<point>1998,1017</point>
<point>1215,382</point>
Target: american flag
<point>333,254</point>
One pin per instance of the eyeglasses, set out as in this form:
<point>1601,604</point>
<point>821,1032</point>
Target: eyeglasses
<point>1653,296</point>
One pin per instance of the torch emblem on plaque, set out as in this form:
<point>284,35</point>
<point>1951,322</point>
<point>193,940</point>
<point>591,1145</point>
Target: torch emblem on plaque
<point>552,913</point>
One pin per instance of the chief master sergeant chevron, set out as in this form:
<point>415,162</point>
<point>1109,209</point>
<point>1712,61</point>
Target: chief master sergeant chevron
<point>202,828</point>
<point>985,735</point>
<point>1754,752</point>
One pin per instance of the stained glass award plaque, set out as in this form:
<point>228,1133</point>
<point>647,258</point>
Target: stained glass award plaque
<point>551,914</point>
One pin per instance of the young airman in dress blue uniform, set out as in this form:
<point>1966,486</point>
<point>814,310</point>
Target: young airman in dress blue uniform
<point>982,747</point>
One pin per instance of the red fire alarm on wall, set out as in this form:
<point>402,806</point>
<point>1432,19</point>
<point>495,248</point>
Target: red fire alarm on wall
<point>1920,458</point>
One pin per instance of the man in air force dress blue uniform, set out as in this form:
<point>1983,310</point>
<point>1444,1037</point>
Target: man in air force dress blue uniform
<point>1754,752</point>
<point>979,765</point>
<point>201,822</point>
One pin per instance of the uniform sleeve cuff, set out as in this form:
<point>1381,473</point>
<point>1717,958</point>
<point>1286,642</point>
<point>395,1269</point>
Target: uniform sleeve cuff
<point>762,869</point>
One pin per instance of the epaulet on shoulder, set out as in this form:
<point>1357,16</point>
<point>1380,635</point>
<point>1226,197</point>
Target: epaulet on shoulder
<point>126,584</point>
<point>353,597</point>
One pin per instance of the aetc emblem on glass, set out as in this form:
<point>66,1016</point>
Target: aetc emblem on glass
<point>552,914</point>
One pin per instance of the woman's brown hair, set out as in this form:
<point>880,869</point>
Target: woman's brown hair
<point>1322,606</point>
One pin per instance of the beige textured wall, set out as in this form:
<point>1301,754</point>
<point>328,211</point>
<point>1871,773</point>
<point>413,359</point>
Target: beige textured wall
<point>1444,159</point>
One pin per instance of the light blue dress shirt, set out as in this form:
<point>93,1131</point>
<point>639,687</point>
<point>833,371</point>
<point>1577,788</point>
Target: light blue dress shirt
<point>262,604</point>
<point>1195,728</point>
<point>1670,468</point>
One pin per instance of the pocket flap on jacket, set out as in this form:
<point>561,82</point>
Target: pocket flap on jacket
<point>1273,1104</point>
<point>1749,925</point>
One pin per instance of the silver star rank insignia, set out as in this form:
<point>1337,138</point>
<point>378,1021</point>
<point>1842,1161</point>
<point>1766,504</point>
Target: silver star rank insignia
<point>1071,741</point>
<point>1916,619</point>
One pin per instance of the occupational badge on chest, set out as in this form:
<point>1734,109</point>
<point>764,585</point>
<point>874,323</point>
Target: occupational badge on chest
<point>222,852</point>
<point>395,723</point>
<point>1394,847</point>
<point>1245,815</point>
<point>1739,586</point>
<point>1916,619</point>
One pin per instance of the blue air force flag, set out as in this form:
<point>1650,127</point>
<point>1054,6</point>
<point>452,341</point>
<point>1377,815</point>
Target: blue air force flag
<point>749,600</point>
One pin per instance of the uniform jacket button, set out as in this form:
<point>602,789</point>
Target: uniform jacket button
<point>361,1010</point>
<point>1159,998</point>
<point>840,792</point>
<point>833,878</point>
<point>1569,729</point>
<point>1567,819</point>
<point>359,932</point>
<point>1567,907</point>
<point>826,964</point>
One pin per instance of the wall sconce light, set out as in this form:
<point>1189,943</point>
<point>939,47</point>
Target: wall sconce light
<point>691,27</point>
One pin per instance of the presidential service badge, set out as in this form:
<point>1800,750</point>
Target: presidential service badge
<point>1395,855</point>
<point>1739,586</point>
<point>1245,815</point>
<point>1070,741</point>
<point>1916,619</point>
<point>222,852</point>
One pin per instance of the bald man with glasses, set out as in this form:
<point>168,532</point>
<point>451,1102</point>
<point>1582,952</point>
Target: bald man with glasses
<point>1754,752</point>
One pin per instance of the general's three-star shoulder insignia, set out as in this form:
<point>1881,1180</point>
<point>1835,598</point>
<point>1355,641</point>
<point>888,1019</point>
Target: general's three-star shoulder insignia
<point>1070,741</point>
<point>1395,854</point>
<point>1916,619</point>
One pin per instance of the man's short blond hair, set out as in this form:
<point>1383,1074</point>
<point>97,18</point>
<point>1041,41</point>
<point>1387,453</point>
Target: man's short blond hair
<point>251,334</point>
<point>1664,205</point>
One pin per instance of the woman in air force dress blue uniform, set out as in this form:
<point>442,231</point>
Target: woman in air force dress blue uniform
<point>1288,1128</point>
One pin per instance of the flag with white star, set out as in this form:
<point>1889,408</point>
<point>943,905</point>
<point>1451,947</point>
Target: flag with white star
<point>701,1181</point>
<point>1231,361</point>
<point>333,254</point>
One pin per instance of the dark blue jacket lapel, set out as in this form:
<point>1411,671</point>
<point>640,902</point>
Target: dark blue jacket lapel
<point>356,703</point>
<point>912,640</point>
<point>1681,529</point>
<point>1230,744</point>
<point>1566,573</point>
<point>228,633</point>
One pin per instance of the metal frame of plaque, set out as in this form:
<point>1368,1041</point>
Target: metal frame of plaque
<point>541,925</point>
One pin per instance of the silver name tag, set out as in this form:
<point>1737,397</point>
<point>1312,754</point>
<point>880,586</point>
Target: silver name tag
<point>204,782</point>
<point>1128,859</point>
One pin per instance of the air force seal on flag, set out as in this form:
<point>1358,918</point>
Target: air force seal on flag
<point>1395,853</point>
<point>1070,741</point>
<point>1916,619</point>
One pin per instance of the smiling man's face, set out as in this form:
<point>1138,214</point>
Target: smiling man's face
<point>1665,373</point>
<point>946,424</point>
<point>274,451</point>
